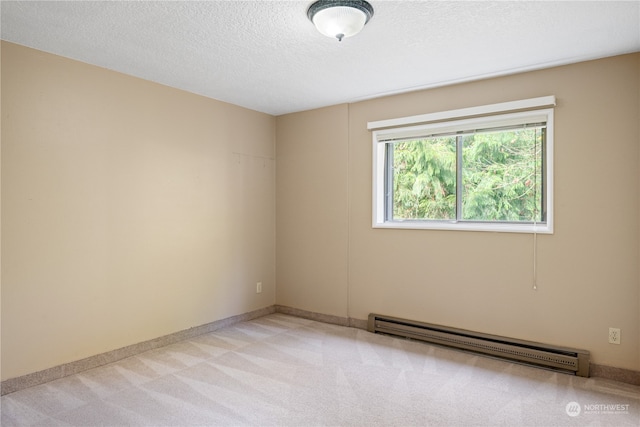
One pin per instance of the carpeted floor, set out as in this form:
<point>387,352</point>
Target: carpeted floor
<point>281,370</point>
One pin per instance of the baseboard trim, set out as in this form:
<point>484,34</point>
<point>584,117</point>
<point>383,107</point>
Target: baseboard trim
<point>622,375</point>
<point>324,318</point>
<point>19,383</point>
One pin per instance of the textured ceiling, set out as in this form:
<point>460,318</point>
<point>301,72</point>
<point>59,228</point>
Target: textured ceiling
<point>267,56</point>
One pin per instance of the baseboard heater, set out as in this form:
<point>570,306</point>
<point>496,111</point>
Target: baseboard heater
<point>563,359</point>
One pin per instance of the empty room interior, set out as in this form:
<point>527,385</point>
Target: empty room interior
<point>190,177</point>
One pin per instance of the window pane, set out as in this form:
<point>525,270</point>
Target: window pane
<point>502,176</point>
<point>424,179</point>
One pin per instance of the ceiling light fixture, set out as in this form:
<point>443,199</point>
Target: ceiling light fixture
<point>340,18</point>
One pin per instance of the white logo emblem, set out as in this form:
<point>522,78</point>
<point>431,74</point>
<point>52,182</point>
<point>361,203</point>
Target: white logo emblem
<point>573,409</point>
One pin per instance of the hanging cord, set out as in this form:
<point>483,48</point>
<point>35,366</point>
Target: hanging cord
<point>535,257</point>
<point>535,216</point>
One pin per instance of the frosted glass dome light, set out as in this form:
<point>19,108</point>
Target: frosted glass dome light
<point>340,19</point>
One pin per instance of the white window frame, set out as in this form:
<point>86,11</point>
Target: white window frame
<point>481,117</point>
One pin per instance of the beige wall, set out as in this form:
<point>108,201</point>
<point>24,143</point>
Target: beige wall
<point>312,210</point>
<point>130,210</point>
<point>588,278</point>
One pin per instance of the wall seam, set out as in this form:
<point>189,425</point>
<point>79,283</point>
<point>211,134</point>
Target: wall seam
<point>348,211</point>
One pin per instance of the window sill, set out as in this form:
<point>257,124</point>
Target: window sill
<point>467,226</point>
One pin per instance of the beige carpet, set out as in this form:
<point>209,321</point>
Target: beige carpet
<point>280,370</point>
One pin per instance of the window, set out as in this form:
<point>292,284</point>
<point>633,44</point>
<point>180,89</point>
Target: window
<point>458,171</point>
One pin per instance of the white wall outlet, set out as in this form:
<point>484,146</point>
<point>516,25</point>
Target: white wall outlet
<point>614,335</point>
<point>258,287</point>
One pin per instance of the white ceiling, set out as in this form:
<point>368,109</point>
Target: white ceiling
<point>267,56</point>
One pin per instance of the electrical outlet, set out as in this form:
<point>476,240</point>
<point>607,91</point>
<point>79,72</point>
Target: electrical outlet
<point>614,335</point>
<point>258,287</point>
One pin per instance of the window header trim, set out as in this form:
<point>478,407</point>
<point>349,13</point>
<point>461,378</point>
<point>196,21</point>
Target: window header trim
<point>502,107</point>
<point>537,118</point>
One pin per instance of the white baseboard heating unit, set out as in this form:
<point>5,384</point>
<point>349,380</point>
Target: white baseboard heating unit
<point>563,359</point>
